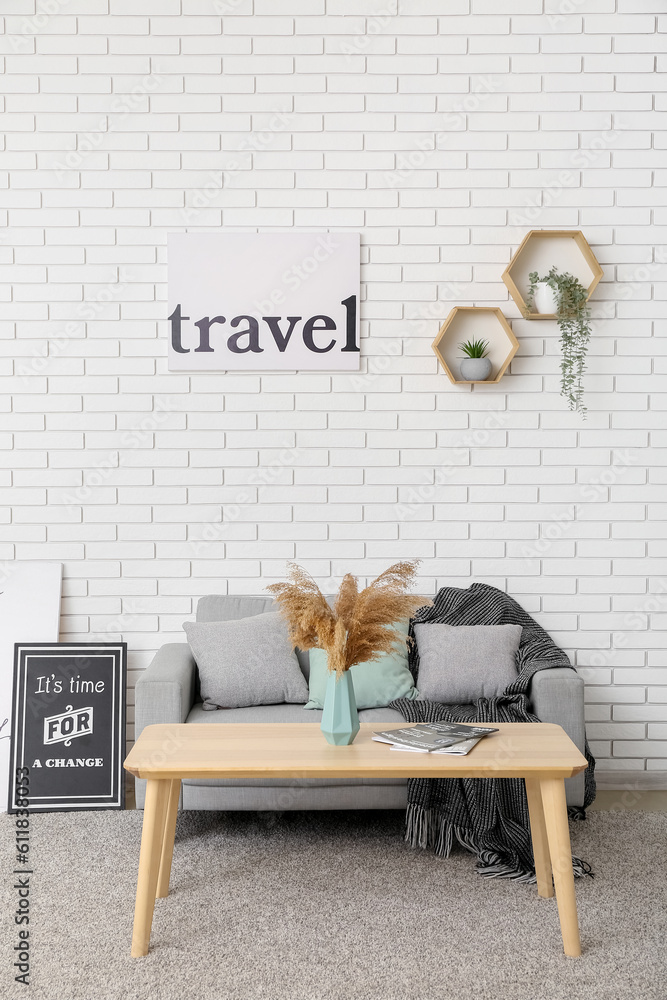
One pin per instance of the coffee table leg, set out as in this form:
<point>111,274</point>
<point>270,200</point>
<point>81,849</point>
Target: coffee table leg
<point>168,839</point>
<point>152,836</point>
<point>558,835</point>
<point>538,833</point>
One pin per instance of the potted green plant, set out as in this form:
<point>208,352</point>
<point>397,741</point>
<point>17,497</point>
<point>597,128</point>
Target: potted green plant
<point>564,296</point>
<point>475,367</point>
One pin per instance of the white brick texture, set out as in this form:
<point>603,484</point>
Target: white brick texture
<point>442,134</point>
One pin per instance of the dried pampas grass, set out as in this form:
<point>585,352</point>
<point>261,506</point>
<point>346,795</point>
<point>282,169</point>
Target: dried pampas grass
<point>359,626</point>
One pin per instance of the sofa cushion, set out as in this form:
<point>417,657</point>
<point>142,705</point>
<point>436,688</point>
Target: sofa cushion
<point>460,663</point>
<point>231,607</point>
<point>246,662</point>
<point>376,682</point>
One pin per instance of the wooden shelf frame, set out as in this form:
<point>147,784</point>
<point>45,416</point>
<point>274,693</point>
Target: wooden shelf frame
<point>569,251</point>
<point>485,322</point>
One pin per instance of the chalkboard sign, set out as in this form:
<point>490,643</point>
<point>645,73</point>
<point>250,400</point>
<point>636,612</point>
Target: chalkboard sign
<point>68,724</point>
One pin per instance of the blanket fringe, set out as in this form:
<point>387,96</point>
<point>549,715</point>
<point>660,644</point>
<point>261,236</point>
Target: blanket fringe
<point>424,827</point>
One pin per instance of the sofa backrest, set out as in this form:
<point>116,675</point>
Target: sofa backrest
<point>230,607</point>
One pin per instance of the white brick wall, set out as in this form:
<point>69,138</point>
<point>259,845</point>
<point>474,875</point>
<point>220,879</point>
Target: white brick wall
<point>442,138</point>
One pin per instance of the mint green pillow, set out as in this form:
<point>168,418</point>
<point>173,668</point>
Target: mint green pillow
<point>376,683</point>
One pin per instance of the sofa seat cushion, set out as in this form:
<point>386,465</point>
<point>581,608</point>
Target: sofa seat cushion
<point>254,713</point>
<point>381,716</point>
<point>284,713</point>
<point>279,713</point>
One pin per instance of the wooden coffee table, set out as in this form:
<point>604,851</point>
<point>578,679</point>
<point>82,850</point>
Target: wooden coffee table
<point>540,753</point>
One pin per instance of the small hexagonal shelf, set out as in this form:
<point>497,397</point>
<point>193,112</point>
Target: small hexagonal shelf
<point>539,251</point>
<point>475,322</point>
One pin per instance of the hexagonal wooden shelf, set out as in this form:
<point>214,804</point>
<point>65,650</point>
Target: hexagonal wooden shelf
<point>476,322</point>
<point>539,251</point>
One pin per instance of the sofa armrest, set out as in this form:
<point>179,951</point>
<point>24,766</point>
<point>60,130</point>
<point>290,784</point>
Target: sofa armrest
<point>165,691</point>
<point>557,695</point>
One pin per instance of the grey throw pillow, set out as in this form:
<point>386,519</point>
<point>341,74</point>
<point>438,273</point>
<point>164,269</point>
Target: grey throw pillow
<point>460,663</point>
<point>246,662</point>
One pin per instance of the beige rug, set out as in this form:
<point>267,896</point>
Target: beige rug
<point>330,905</point>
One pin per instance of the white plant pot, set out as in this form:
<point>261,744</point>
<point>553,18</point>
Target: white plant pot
<point>545,298</point>
<point>475,369</point>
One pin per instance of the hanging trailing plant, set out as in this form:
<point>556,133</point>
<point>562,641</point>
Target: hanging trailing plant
<point>573,316</point>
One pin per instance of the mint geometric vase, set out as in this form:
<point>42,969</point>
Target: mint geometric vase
<point>340,721</point>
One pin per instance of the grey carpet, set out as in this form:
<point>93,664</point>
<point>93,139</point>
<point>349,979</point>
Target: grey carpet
<point>329,905</point>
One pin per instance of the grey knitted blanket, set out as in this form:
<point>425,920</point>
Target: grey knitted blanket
<point>487,816</point>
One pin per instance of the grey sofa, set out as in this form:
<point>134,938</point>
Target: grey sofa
<point>167,691</point>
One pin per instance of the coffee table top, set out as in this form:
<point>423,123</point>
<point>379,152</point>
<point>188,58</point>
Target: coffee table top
<point>299,750</point>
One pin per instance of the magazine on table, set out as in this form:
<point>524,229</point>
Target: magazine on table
<point>460,749</point>
<point>432,737</point>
